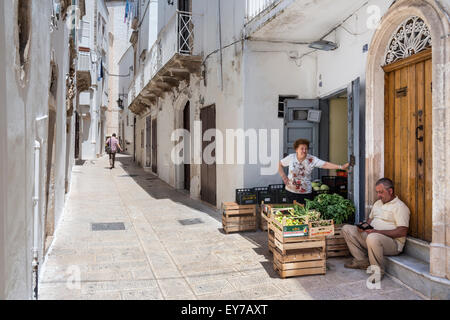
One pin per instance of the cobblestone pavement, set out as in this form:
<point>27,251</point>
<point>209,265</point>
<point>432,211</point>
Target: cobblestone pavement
<point>157,257</point>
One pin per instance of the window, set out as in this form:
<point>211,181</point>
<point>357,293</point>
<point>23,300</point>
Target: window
<point>24,31</point>
<point>281,100</point>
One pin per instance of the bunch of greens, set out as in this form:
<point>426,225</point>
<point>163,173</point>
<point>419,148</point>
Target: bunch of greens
<point>332,206</point>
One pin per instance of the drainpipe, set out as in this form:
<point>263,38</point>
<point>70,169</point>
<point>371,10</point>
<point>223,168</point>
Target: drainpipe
<point>220,45</point>
<point>35,263</point>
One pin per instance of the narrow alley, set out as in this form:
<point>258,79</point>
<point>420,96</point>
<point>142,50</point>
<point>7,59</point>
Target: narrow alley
<point>172,247</point>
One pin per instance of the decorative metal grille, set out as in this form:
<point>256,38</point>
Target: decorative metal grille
<point>413,36</point>
<point>185,33</point>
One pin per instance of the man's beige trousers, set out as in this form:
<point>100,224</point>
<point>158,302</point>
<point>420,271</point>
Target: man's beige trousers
<point>375,245</point>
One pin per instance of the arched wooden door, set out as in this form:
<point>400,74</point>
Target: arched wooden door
<point>408,137</point>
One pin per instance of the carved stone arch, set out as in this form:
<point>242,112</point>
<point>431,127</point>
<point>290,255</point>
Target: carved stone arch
<point>439,27</point>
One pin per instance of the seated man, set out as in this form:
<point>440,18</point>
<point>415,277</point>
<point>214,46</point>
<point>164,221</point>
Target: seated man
<point>390,221</point>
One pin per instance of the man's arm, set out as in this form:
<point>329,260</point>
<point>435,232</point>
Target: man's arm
<point>399,232</point>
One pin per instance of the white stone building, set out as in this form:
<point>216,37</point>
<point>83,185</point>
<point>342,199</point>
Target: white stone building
<point>120,29</point>
<point>261,64</point>
<point>126,119</point>
<point>37,94</point>
<point>93,100</point>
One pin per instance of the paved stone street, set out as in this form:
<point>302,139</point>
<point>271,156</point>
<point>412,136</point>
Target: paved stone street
<point>158,257</point>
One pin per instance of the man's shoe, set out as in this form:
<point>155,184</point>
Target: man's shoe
<point>355,264</point>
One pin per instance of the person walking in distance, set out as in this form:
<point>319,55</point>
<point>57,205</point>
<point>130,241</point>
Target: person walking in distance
<point>113,144</point>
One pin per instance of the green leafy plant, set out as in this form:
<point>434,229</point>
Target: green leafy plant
<point>332,206</point>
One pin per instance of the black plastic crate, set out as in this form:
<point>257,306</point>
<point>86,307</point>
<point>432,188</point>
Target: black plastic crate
<point>336,184</point>
<point>280,193</point>
<point>246,196</point>
<point>263,194</point>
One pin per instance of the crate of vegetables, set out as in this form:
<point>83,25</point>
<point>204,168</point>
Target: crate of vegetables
<point>301,221</point>
<point>238,217</point>
<point>267,210</point>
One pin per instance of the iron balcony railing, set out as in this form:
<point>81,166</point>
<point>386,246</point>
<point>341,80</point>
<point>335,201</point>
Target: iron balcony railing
<point>256,7</point>
<point>177,37</point>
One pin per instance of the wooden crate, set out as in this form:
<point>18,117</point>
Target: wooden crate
<point>267,210</point>
<point>263,225</point>
<point>270,239</point>
<point>336,245</point>
<point>237,218</point>
<point>301,262</point>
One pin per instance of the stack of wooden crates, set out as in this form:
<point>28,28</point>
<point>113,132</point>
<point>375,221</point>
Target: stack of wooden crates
<point>336,245</point>
<point>238,217</point>
<point>299,250</point>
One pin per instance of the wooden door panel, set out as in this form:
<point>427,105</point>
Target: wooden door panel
<point>408,140</point>
<point>420,210</point>
<point>208,172</point>
<point>428,137</point>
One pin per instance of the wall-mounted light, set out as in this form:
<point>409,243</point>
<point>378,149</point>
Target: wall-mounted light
<point>323,45</point>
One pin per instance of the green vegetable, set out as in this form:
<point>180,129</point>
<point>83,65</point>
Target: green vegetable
<point>332,206</point>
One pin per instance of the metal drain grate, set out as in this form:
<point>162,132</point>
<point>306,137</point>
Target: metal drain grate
<point>188,222</point>
<point>114,226</point>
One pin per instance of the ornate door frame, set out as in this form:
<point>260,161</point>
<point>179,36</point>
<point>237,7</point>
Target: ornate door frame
<point>438,23</point>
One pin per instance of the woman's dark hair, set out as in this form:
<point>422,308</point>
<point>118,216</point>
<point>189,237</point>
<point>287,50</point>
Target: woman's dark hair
<point>300,142</point>
<point>114,135</point>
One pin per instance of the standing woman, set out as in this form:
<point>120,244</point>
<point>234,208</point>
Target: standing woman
<point>301,165</point>
<point>114,145</point>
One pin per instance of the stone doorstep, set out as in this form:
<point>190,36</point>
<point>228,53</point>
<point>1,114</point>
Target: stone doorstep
<point>415,274</point>
<point>417,249</point>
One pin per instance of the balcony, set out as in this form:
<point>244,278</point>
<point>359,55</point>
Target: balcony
<point>256,7</point>
<point>84,71</point>
<point>296,21</point>
<point>167,63</point>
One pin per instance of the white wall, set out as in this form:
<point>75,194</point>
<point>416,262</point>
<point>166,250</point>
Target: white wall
<point>125,63</point>
<point>19,109</point>
<point>120,31</point>
<point>61,53</point>
<point>269,73</point>
<point>3,166</point>
<point>340,67</point>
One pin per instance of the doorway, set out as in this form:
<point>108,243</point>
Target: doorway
<point>408,137</point>
<point>154,146</point>
<point>148,142</point>
<point>208,171</point>
<point>77,135</point>
<point>187,147</point>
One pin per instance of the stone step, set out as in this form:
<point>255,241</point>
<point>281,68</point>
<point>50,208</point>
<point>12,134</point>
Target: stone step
<point>415,273</point>
<point>418,249</point>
